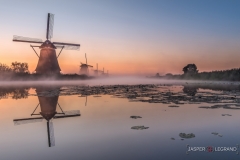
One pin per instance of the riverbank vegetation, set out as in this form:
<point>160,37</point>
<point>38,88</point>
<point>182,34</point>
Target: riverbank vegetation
<point>190,72</point>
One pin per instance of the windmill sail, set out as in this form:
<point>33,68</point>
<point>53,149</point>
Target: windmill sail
<point>71,113</point>
<point>86,61</point>
<point>26,39</point>
<point>51,139</point>
<point>27,120</point>
<point>67,46</point>
<point>50,23</point>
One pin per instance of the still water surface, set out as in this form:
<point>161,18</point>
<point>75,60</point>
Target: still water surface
<point>82,122</point>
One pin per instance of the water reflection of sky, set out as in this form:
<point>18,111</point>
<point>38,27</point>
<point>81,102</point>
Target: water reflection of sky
<point>103,131</point>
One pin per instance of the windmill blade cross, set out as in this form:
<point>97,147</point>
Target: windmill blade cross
<point>50,23</point>
<point>26,39</point>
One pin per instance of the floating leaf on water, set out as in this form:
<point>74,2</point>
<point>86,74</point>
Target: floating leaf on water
<point>139,127</point>
<point>184,135</point>
<point>135,117</point>
<point>173,106</point>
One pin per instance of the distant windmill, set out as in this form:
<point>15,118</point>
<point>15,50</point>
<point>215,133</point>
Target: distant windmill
<point>84,67</point>
<point>103,71</point>
<point>96,71</point>
<point>48,105</point>
<point>47,63</point>
<point>86,94</point>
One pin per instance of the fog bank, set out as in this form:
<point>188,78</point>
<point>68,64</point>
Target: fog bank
<point>117,80</point>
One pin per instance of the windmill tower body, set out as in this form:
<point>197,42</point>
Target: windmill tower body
<point>84,69</point>
<point>48,106</point>
<point>47,63</point>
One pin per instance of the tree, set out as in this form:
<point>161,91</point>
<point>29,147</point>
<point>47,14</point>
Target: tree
<point>4,68</point>
<point>18,67</point>
<point>190,69</point>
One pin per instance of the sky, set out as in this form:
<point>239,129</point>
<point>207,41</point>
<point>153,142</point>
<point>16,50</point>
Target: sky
<point>127,37</point>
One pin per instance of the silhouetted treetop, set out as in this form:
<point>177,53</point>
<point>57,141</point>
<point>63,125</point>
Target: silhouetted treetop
<point>4,68</point>
<point>18,67</point>
<point>190,68</point>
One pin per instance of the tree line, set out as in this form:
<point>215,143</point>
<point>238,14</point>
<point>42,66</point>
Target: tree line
<point>15,68</point>
<point>191,72</point>
<point>14,92</point>
<point>19,71</point>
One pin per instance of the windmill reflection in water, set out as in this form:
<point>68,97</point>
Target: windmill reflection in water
<point>48,102</point>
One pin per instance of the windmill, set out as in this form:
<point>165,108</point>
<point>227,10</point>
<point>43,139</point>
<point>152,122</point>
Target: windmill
<point>103,72</point>
<point>48,101</point>
<point>85,95</point>
<point>47,63</point>
<point>84,67</point>
<point>96,71</point>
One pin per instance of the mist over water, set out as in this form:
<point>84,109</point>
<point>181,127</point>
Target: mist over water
<point>116,80</point>
<point>121,80</point>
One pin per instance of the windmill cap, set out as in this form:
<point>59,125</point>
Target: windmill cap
<point>48,116</point>
<point>47,44</point>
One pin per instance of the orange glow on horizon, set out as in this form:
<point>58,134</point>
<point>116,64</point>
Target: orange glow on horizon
<point>129,59</point>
